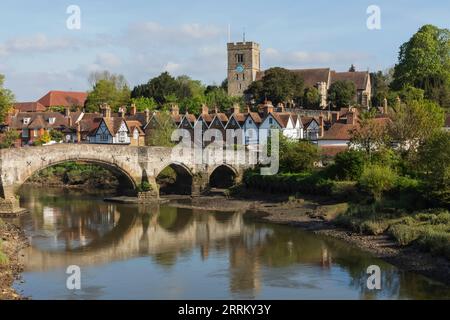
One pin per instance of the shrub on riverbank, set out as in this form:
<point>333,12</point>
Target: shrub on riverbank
<point>3,257</point>
<point>73,174</point>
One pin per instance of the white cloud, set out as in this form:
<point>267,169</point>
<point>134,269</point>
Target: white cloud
<point>108,60</point>
<point>36,43</point>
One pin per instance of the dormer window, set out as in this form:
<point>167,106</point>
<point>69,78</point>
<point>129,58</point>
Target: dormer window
<point>51,120</point>
<point>26,120</point>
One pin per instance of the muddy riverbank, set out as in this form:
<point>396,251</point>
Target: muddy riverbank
<point>13,240</point>
<point>316,215</point>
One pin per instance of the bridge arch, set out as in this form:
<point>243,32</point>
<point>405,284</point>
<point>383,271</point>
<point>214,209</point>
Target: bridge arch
<point>175,178</point>
<point>126,181</point>
<point>223,176</point>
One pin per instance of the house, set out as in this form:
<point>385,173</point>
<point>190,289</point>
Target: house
<point>110,129</point>
<point>278,120</point>
<point>312,128</point>
<point>66,99</point>
<point>33,125</point>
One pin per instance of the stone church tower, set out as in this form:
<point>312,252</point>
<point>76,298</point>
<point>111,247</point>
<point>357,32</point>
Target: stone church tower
<point>244,61</point>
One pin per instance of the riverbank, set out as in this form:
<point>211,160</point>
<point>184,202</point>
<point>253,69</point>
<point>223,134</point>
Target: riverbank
<point>316,214</point>
<point>12,241</point>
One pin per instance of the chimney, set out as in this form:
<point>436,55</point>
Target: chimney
<point>122,112</point>
<point>280,107</point>
<point>236,109</point>
<point>385,106</point>
<point>78,132</point>
<point>322,126</point>
<point>67,112</point>
<point>248,109</point>
<point>133,109</point>
<point>351,118</point>
<point>174,110</point>
<point>216,110</point>
<point>147,116</point>
<point>205,109</point>
<point>268,107</point>
<point>334,117</point>
<point>106,110</point>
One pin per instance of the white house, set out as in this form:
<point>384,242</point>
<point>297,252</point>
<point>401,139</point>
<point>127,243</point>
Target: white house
<point>112,130</point>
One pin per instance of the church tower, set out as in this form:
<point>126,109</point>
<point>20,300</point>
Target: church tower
<point>243,65</point>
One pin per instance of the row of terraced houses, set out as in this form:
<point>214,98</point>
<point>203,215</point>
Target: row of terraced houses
<point>329,129</point>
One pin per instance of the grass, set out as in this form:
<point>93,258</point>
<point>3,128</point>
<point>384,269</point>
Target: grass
<point>429,229</point>
<point>3,258</point>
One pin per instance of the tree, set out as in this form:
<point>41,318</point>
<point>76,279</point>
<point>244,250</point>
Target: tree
<point>278,85</point>
<point>108,88</point>
<point>415,122</point>
<point>434,163</point>
<point>377,179</point>
<point>161,134</point>
<point>56,135</point>
<point>143,103</point>
<point>6,100</point>
<point>352,68</point>
<point>424,62</point>
<point>371,133</point>
<point>218,97</point>
<point>349,165</point>
<point>342,93</point>
<point>9,139</point>
<point>380,88</point>
<point>312,98</point>
<point>297,156</point>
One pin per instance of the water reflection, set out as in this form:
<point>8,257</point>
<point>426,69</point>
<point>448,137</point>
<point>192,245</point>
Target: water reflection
<point>165,252</point>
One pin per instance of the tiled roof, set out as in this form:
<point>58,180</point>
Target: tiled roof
<point>310,76</point>
<point>29,107</point>
<point>358,78</point>
<point>37,120</point>
<point>63,98</point>
<point>282,118</point>
<point>133,124</point>
<point>339,131</point>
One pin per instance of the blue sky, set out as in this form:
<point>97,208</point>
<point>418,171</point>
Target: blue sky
<point>142,38</point>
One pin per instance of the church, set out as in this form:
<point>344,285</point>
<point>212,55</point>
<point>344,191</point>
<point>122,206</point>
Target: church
<point>244,67</point>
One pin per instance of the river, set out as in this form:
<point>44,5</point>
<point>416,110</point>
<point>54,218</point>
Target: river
<point>163,252</point>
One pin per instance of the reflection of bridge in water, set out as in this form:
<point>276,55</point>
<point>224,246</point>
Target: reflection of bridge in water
<point>138,235</point>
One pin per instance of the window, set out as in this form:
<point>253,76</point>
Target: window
<point>237,76</point>
<point>243,76</point>
<point>51,120</point>
<point>270,121</point>
<point>35,133</point>
<point>25,133</point>
<point>103,137</point>
<point>122,137</point>
<point>26,120</point>
<point>250,122</point>
<point>240,58</point>
<point>135,134</point>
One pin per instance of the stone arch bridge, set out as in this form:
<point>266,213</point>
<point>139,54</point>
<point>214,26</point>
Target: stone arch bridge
<point>132,165</point>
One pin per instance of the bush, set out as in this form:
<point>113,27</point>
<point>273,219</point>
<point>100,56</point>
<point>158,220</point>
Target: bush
<point>348,165</point>
<point>145,187</point>
<point>436,242</point>
<point>3,258</point>
<point>404,234</point>
<point>377,179</point>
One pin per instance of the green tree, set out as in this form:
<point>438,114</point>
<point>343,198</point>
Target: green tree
<point>349,165</point>
<point>424,62</point>
<point>6,100</point>
<point>278,85</point>
<point>380,88</point>
<point>161,134</point>
<point>8,139</point>
<point>413,123</point>
<point>342,93</point>
<point>56,135</point>
<point>434,162</point>
<point>297,156</point>
<point>312,98</point>
<point>143,103</point>
<point>370,135</point>
<point>107,88</point>
<point>377,179</point>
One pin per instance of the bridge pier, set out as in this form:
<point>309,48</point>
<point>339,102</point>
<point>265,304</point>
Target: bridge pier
<point>200,184</point>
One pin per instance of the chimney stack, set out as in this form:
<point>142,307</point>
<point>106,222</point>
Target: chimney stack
<point>351,118</point>
<point>335,117</point>
<point>236,109</point>
<point>385,106</point>
<point>67,112</point>
<point>174,110</point>
<point>321,126</point>
<point>268,107</point>
<point>280,107</point>
<point>205,109</point>
<point>122,112</point>
<point>78,132</point>
<point>147,116</point>
<point>106,110</point>
<point>133,109</point>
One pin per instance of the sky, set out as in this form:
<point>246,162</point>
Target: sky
<point>142,38</point>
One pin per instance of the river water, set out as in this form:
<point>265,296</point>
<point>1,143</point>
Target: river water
<point>162,252</point>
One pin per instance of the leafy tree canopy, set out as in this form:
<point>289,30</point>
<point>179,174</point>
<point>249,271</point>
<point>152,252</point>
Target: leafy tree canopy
<point>6,99</point>
<point>342,93</point>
